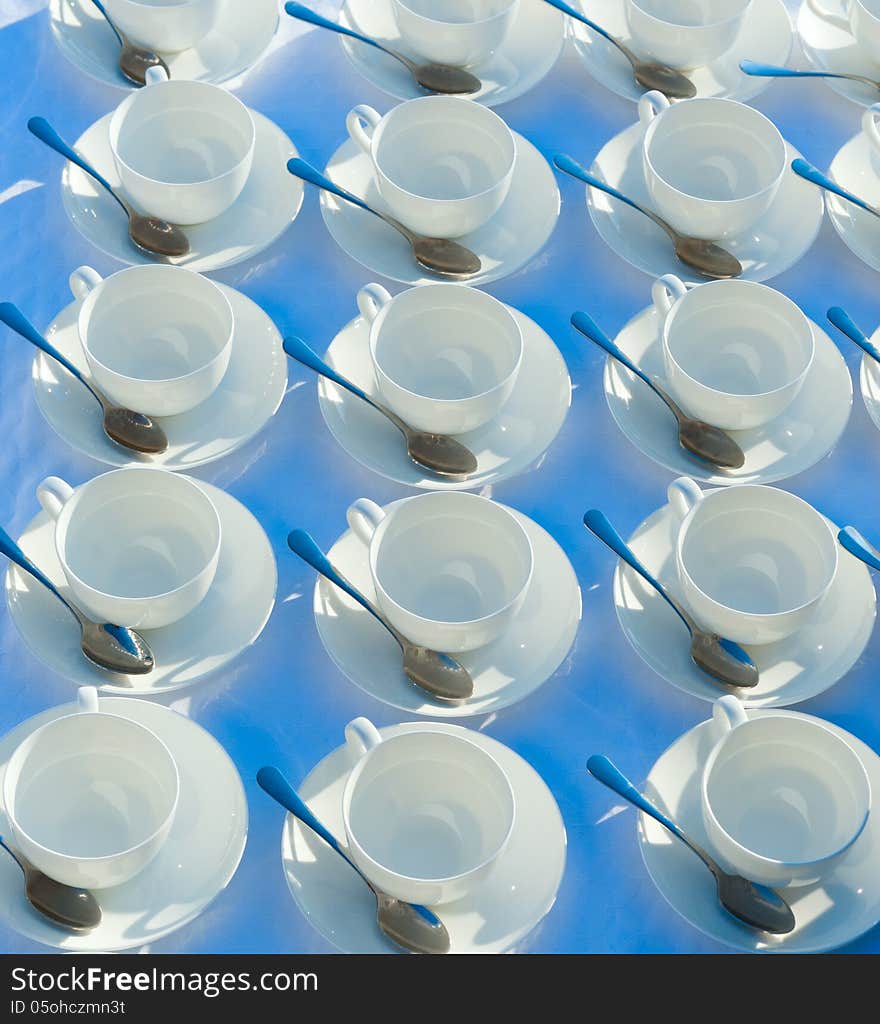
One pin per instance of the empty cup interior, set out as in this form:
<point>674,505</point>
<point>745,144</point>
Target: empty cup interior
<point>452,557</point>
<point>788,790</point>
<point>184,133</point>
<point>444,148</point>
<point>139,533</point>
<point>759,550</point>
<point>447,343</point>
<point>91,785</point>
<point>156,323</point>
<point>716,150</point>
<point>458,12</point>
<point>739,339</point>
<point>692,13</point>
<point>430,807</point>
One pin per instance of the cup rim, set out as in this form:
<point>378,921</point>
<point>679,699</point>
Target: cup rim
<point>8,790</point>
<point>684,25</point>
<point>709,766</point>
<point>173,3</point>
<point>379,320</point>
<point>357,771</point>
<point>472,108</point>
<point>467,496</point>
<point>479,22</point>
<point>759,616</point>
<point>651,131</point>
<point>120,599</point>
<point>87,309</point>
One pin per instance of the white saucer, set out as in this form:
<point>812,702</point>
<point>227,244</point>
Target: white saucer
<point>529,52</point>
<point>845,905</point>
<point>765,36</point>
<point>270,201</point>
<point>494,918</point>
<point>805,433</point>
<point>229,619</point>
<point>792,670</point>
<point>247,398</point>
<point>859,230</point>
<point>775,243</point>
<point>196,863</point>
<point>238,39</point>
<point>869,378</point>
<point>832,47</point>
<point>504,672</point>
<point>514,441</point>
<point>511,238</point>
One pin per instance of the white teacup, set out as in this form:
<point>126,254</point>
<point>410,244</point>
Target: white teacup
<point>783,797</point>
<point>442,164</point>
<point>736,353</point>
<point>157,338</point>
<point>712,166</point>
<point>91,796</point>
<point>860,17</point>
<point>139,547</point>
<point>167,26</point>
<point>446,357</point>
<point>451,569</point>
<point>426,814</point>
<point>183,150</point>
<point>872,131</point>
<point>753,561</point>
<point>684,33</point>
<point>457,32</point>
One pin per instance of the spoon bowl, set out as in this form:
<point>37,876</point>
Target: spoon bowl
<point>134,61</point>
<point>74,909</point>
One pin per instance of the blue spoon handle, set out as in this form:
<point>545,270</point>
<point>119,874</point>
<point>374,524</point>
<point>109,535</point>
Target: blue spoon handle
<point>44,131</point>
<point>273,782</point>
<point>13,317</point>
<point>302,13</point>
<point>572,13</point>
<point>570,166</point>
<point>109,21</point>
<point>300,169</point>
<point>14,553</point>
<point>590,329</point>
<point>852,541</point>
<point>601,768</point>
<point>297,349</point>
<point>846,325</point>
<point>812,174</point>
<point>754,67</point>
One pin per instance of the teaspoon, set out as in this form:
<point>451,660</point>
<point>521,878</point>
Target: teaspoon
<point>409,925</point>
<point>649,74</point>
<point>132,430</point>
<point>708,443</point>
<point>754,68</point>
<point>438,453</point>
<point>804,169</point>
<point>708,258</point>
<point>438,674</point>
<point>152,235</point>
<point>846,325</point>
<point>852,541</point>
<point>133,60</point>
<point>722,659</point>
<point>756,905</point>
<point>76,910</point>
<point>440,255</point>
<point>434,77</point>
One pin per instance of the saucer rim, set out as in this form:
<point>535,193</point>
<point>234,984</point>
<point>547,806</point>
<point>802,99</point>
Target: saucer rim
<point>848,228</point>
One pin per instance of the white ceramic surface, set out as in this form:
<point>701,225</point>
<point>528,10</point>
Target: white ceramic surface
<point>854,168</point>
<point>164,25</point>
<point>869,381</point>
<point>342,909</point>
<point>451,569</point>
<point>426,814</point>
<point>860,17</point>
<point>829,45</point>
<point>684,33</point>
<point>445,357</point>
<point>457,32</point>
<point>229,619</point>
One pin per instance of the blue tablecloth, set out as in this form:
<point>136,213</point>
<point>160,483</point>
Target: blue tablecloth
<point>283,701</point>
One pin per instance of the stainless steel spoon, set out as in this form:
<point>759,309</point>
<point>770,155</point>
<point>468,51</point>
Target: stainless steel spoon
<point>133,60</point>
<point>756,905</point>
<point>438,453</point>
<point>709,444</point>
<point>442,256</point>
<point>758,70</point>
<point>132,430</point>
<point>152,235</point>
<point>649,74</point>
<point>115,648</point>
<point>438,674</point>
<point>76,910</point>
<point>723,660</point>
<point>410,925</point>
<point>803,169</point>
<point>434,77</point>
<point>708,258</point>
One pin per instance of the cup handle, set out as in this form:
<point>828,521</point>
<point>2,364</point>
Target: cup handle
<point>87,700</point>
<point>650,105</point>
<point>53,494</point>
<point>361,736</point>
<point>683,495</point>
<point>727,714</point>
<point>363,518</point>
<point>371,300</point>
<point>829,15</point>
<point>360,124</point>
<point>665,292</point>
<point>155,74</point>
<point>82,281</point>
<point>869,125</point>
